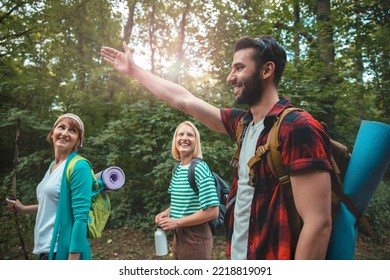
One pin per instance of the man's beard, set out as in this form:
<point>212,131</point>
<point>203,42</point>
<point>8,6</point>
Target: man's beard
<point>251,91</point>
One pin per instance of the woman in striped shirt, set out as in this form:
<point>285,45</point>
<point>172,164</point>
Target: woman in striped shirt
<point>189,213</point>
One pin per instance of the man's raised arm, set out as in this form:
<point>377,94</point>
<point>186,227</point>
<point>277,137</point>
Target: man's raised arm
<point>175,95</point>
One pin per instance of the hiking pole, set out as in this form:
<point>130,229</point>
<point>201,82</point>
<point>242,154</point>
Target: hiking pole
<point>16,156</point>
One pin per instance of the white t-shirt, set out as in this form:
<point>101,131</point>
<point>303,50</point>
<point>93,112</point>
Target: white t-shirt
<point>48,193</point>
<point>244,196</point>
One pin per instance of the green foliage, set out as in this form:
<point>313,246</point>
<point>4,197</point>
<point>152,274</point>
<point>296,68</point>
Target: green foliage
<point>50,64</point>
<point>139,141</point>
<point>378,212</point>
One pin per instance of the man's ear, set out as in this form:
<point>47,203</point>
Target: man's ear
<point>267,70</point>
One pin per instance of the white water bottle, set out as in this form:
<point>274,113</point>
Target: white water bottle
<point>160,239</point>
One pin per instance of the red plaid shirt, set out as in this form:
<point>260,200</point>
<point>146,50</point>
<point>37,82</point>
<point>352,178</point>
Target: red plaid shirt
<point>303,144</point>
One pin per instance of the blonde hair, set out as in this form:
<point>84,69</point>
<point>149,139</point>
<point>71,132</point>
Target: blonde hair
<point>198,148</point>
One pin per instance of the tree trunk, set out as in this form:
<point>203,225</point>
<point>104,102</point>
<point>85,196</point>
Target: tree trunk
<point>128,29</point>
<point>297,21</point>
<point>359,62</point>
<point>326,57</point>
<point>152,40</point>
<point>180,47</point>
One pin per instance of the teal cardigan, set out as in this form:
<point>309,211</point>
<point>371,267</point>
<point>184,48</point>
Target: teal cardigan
<point>70,226</point>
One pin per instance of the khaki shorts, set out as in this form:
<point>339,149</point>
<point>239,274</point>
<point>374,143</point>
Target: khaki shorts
<point>193,243</point>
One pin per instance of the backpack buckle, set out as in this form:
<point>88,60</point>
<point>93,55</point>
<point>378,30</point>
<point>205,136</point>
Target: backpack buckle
<point>234,162</point>
<point>250,181</point>
<point>284,179</point>
<point>260,151</point>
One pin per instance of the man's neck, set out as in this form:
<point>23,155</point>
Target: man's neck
<point>261,109</point>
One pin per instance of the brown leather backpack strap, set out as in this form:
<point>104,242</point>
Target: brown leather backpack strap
<point>239,131</point>
<point>270,148</point>
<point>346,200</point>
<point>274,157</point>
<point>275,162</point>
<point>260,152</point>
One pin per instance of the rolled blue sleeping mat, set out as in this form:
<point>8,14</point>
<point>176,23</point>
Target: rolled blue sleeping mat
<point>369,161</point>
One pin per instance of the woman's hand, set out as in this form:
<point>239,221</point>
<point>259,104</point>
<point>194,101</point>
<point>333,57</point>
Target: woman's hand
<point>197,218</point>
<point>14,206</point>
<point>161,216</point>
<point>167,223</point>
<point>74,256</point>
<point>122,61</point>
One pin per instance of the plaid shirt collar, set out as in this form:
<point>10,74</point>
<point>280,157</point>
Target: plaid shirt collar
<point>269,119</point>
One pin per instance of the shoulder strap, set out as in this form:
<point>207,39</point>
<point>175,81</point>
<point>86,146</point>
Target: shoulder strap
<point>71,165</point>
<point>274,158</point>
<point>270,148</point>
<point>96,187</point>
<point>239,131</point>
<point>191,174</point>
<point>275,162</point>
<point>174,169</point>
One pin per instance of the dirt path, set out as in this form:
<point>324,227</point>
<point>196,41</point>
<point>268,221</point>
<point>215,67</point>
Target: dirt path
<point>130,244</point>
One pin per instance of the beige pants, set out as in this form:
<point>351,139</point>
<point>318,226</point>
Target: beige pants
<point>193,243</point>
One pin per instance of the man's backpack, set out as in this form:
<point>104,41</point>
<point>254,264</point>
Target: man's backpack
<point>100,202</point>
<point>339,160</point>
<point>217,225</point>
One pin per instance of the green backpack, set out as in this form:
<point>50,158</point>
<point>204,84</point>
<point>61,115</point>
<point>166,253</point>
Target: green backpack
<point>100,202</point>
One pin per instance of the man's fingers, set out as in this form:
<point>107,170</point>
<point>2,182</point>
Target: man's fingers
<point>108,60</point>
<point>108,53</point>
<point>108,50</point>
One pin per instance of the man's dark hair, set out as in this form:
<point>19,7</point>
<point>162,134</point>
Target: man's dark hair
<point>265,49</point>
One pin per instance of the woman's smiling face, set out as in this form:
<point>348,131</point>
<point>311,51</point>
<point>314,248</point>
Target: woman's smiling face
<point>185,140</point>
<point>65,136</point>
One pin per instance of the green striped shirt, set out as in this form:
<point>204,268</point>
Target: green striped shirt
<point>184,201</point>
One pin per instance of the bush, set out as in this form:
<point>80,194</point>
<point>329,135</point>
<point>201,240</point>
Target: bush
<point>378,212</point>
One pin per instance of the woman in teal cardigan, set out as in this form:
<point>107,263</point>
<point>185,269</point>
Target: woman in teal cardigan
<point>63,209</point>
